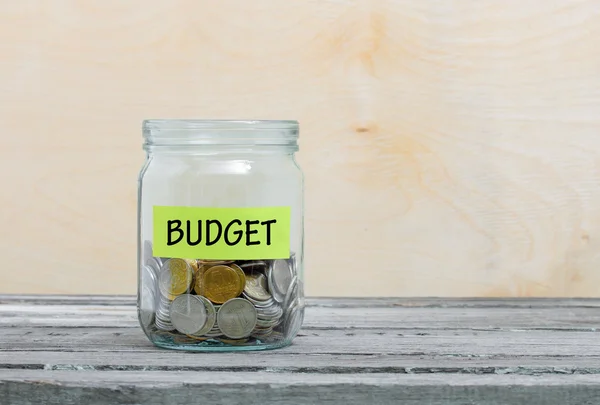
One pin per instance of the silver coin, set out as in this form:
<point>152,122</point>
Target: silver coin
<point>146,251</point>
<point>293,262</point>
<point>215,331</point>
<point>237,318</point>
<point>147,305</point>
<point>275,313</point>
<point>163,316</point>
<point>263,323</point>
<point>188,314</point>
<point>146,317</point>
<point>163,311</point>
<point>148,275</point>
<point>281,278</point>
<point>261,333</point>
<point>166,326</point>
<point>148,286</point>
<point>293,321</point>
<point>277,296</point>
<point>256,287</point>
<point>269,315</point>
<point>292,294</point>
<point>211,317</point>
<point>257,303</point>
<point>154,265</point>
<point>269,309</point>
<point>267,319</point>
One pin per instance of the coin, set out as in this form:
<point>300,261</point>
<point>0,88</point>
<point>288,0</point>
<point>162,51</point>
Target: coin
<point>188,314</point>
<point>264,323</point>
<point>258,303</point>
<point>256,287</point>
<point>199,282</point>
<point>175,277</point>
<point>293,321</point>
<point>146,252</point>
<point>234,341</point>
<point>274,311</point>
<point>237,318</point>
<point>199,338</point>
<point>154,264</point>
<point>163,308</point>
<point>242,277</point>
<point>211,317</point>
<point>280,277</point>
<point>215,330</point>
<point>214,262</point>
<point>193,264</point>
<point>221,283</point>
<point>148,279</point>
<point>262,333</point>
<point>254,266</point>
<point>291,296</point>
<point>164,326</point>
<point>293,262</point>
<point>162,320</point>
<point>146,313</point>
<point>147,299</point>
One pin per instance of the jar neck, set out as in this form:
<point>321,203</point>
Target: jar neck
<point>208,137</point>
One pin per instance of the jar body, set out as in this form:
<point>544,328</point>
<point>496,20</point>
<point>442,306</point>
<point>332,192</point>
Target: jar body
<point>220,246</point>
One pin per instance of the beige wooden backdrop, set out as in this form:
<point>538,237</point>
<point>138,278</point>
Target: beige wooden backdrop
<point>451,147</point>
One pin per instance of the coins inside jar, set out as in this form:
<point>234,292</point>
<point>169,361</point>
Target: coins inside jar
<point>230,302</point>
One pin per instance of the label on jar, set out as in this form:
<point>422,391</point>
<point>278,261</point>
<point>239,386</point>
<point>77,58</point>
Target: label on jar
<point>221,233</point>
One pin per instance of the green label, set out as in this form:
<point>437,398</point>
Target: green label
<point>221,233</point>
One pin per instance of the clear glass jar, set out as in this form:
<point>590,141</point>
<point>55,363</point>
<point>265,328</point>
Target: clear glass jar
<point>220,235</point>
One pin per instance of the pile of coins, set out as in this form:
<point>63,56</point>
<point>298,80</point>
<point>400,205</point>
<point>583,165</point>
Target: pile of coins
<point>226,300</point>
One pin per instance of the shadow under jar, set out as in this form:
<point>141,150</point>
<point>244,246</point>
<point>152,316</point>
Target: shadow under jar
<point>220,235</point>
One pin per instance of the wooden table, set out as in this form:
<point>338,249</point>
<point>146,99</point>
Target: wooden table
<point>90,350</point>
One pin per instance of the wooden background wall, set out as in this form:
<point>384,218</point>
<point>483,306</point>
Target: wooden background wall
<point>451,147</point>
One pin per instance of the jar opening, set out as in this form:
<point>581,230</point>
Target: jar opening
<point>190,132</point>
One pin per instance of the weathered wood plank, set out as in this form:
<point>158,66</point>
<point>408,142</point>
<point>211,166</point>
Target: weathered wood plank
<point>319,317</point>
<point>372,341</point>
<point>284,361</point>
<point>126,387</point>
<point>341,302</point>
<point>91,350</point>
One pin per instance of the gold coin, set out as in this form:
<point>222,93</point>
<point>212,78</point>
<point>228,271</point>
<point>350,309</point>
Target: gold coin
<point>234,341</point>
<point>221,283</point>
<point>199,278</point>
<point>193,264</point>
<point>241,275</point>
<point>200,338</point>
<point>175,278</point>
<point>214,262</point>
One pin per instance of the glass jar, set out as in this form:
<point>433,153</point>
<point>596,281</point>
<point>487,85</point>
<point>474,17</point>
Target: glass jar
<point>220,235</point>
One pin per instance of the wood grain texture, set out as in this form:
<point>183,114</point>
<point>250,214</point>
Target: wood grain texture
<point>91,350</point>
<point>450,147</point>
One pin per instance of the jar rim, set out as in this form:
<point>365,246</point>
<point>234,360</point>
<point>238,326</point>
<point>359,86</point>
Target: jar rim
<point>221,132</point>
<point>216,124</point>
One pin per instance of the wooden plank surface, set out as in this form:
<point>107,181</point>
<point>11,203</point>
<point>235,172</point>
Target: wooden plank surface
<point>450,147</point>
<point>88,349</point>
